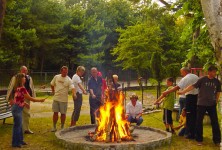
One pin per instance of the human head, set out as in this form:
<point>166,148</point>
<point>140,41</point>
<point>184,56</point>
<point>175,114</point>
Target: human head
<point>183,112</point>
<point>212,71</point>
<point>169,81</point>
<point>23,69</point>
<point>133,98</point>
<point>64,71</point>
<point>19,80</point>
<point>80,70</point>
<point>99,74</point>
<point>94,72</point>
<point>115,78</point>
<point>184,71</point>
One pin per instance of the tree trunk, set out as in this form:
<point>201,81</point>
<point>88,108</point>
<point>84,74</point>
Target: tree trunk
<point>212,10</point>
<point>2,14</point>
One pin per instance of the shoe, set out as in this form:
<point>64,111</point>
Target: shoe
<point>217,144</point>
<point>54,130</point>
<point>199,143</point>
<point>173,132</point>
<point>17,146</point>
<point>28,132</point>
<point>24,143</point>
<point>167,130</point>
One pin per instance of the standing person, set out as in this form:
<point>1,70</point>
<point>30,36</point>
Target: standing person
<point>21,96</point>
<point>168,105</point>
<point>94,86</point>
<point>76,79</point>
<point>104,85</point>
<point>134,110</point>
<point>208,98</point>
<point>29,86</point>
<point>60,86</point>
<point>191,99</point>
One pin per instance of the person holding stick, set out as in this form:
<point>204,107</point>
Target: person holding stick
<point>76,79</point>
<point>209,93</point>
<point>21,95</point>
<point>29,86</point>
<point>60,86</point>
<point>191,99</point>
<point>95,98</point>
<point>168,105</point>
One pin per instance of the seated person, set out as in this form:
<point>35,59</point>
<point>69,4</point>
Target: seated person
<point>134,110</point>
<point>182,121</point>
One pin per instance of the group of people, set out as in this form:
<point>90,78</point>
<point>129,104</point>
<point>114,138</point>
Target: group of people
<point>21,92</point>
<point>199,95</point>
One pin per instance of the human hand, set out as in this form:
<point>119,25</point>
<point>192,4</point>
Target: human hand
<point>74,96</point>
<point>93,96</point>
<point>27,105</point>
<point>84,92</point>
<point>11,102</point>
<point>137,117</point>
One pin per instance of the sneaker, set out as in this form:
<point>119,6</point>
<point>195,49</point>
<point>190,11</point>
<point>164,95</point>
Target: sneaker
<point>199,143</point>
<point>28,132</point>
<point>167,130</point>
<point>190,137</point>
<point>24,143</point>
<point>54,130</point>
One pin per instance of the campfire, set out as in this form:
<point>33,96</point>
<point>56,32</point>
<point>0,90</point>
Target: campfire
<point>111,123</point>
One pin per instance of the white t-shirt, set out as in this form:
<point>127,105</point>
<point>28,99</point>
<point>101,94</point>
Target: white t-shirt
<point>188,80</point>
<point>62,86</point>
<point>76,80</point>
<point>134,110</point>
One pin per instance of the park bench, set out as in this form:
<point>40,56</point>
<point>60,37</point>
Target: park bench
<point>5,109</point>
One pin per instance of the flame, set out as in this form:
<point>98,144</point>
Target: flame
<point>112,125</point>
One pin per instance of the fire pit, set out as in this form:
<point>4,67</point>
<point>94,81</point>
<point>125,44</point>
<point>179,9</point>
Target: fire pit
<point>112,131</point>
<point>77,138</point>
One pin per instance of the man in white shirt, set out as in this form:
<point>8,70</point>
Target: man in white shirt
<point>191,100</point>
<point>60,86</point>
<point>77,82</point>
<point>134,110</point>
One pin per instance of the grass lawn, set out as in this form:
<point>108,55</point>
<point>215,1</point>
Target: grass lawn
<point>43,139</point>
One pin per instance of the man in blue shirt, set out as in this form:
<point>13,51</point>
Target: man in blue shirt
<point>95,89</point>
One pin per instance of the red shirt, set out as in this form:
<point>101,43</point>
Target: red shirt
<point>19,98</point>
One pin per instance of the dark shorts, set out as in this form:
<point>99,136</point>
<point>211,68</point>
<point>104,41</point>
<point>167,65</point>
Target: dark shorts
<point>167,116</point>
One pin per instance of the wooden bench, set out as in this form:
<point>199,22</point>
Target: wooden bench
<point>5,109</point>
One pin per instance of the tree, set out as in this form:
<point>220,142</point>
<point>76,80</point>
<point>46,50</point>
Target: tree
<point>157,70</point>
<point>2,14</point>
<point>172,70</point>
<point>212,10</point>
<point>136,44</point>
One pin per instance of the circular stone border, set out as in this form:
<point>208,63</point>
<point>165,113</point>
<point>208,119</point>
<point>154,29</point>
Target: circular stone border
<point>112,146</point>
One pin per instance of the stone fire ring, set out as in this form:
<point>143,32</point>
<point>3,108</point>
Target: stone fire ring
<point>76,138</point>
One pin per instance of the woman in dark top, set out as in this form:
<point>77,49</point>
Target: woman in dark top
<point>17,106</point>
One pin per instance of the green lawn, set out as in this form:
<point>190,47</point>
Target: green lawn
<point>45,140</point>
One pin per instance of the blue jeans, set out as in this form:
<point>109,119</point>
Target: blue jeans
<point>17,134</point>
<point>134,120</point>
<point>182,132</point>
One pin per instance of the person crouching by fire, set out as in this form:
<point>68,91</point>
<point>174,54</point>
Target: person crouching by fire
<point>134,110</point>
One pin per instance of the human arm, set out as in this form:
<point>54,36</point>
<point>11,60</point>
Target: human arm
<point>28,97</point>
<point>159,100</point>
<point>81,87</point>
<point>53,89</point>
<point>174,89</point>
<point>74,93</point>
<point>189,88</point>
<point>10,91</point>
